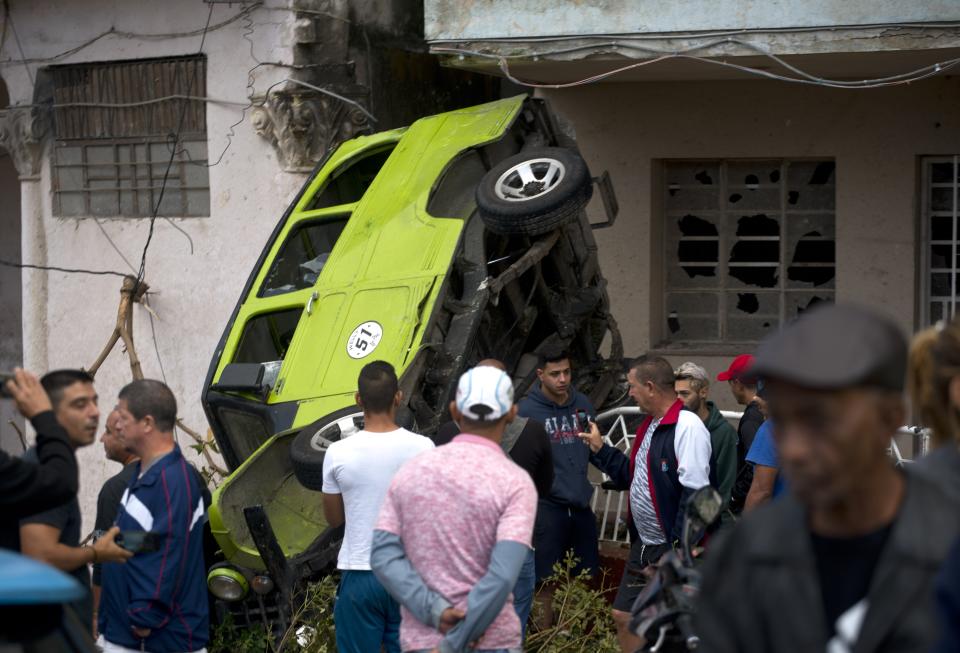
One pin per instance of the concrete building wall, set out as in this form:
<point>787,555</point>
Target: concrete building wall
<point>68,318</point>
<point>464,20</point>
<point>876,138</point>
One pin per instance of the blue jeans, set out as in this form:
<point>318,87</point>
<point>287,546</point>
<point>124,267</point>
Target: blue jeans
<point>364,615</point>
<point>523,593</point>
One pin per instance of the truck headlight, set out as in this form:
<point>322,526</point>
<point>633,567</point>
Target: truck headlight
<point>227,584</point>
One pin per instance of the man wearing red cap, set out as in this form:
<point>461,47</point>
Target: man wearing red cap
<point>744,390</point>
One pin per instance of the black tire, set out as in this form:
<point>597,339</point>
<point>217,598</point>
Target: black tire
<point>307,460</point>
<point>541,212</point>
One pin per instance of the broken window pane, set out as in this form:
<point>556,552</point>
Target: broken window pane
<point>768,241</point>
<point>692,316</point>
<point>810,185</point>
<point>798,302</point>
<point>302,256</point>
<point>941,228</point>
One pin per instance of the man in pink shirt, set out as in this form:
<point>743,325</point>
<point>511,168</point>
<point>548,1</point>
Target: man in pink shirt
<point>455,529</point>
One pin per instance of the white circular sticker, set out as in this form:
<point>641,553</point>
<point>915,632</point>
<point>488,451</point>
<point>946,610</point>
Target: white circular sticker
<point>364,340</point>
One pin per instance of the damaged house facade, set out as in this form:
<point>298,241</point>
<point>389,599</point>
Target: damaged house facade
<point>767,156</point>
<point>208,115</point>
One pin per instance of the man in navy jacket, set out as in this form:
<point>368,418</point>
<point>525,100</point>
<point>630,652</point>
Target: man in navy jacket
<point>564,518</point>
<point>670,459</point>
<point>157,600</point>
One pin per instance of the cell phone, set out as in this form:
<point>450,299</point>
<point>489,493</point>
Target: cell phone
<point>4,377</point>
<point>132,541</point>
<point>583,420</point>
<point>138,541</point>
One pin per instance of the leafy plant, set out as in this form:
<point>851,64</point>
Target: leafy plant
<point>311,627</point>
<point>582,620</point>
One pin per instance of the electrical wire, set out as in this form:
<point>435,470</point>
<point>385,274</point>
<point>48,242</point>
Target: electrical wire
<point>114,245</point>
<point>346,100</point>
<point>659,55</point>
<point>53,268</point>
<point>16,38</point>
<point>166,173</point>
<point>134,35</point>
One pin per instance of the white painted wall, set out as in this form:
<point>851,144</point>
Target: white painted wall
<point>68,318</point>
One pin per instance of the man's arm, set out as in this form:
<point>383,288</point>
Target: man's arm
<point>390,565</point>
<point>726,457</point>
<point>543,475</point>
<point>721,617</point>
<point>41,542</point>
<point>27,488</point>
<point>761,489</point>
<point>333,510</point>
<point>691,443</point>
<point>486,599</point>
<point>609,460</point>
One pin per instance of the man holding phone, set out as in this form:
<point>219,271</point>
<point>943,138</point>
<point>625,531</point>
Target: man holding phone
<point>565,521</point>
<point>157,601</point>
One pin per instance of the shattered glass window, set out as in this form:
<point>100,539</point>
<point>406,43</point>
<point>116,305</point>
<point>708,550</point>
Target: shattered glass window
<point>302,256</point>
<point>749,245</point>
<point>941,209</point>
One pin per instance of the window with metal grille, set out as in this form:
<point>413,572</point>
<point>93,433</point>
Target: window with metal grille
<point>112,160</point>
<point>940,256</point>
<point>748,245</point>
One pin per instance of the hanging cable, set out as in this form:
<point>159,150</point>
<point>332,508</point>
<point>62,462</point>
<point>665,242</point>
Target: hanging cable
<point>166,173</point>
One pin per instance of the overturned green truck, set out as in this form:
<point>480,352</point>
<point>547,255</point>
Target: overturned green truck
<point>461,237</point>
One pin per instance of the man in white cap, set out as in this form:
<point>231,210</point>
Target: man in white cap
<point>455,529</point>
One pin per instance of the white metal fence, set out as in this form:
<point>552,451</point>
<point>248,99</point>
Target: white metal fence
<point>612,504</point>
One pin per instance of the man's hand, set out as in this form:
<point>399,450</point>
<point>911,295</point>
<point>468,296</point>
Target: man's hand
<point>592,438</point>
<point>27,392</point>
<point>107,550</point>
<point>450,618</point>
<point>141,633</point>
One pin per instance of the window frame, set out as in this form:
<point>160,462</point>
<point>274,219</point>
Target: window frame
<point>78,92</point>
<point>926,237</point>
<point>726,238</point>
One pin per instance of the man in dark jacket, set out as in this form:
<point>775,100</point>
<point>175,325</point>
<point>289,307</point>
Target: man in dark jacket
<point>743,387</point>
<point>25,487</point>
<point>693,387</point>
<point>565,521</point>
<point>157,601</point>
<point>847,560</point>
<point>670,458</point>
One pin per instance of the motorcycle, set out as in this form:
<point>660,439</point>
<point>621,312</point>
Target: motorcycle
<point>662,614</point>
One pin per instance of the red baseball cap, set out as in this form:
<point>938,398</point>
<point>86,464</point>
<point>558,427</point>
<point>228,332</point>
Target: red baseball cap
<point>738,368</point>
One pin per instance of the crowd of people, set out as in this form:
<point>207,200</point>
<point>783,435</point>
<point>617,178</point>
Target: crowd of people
<point>148,591</point>
<point>450,540</point>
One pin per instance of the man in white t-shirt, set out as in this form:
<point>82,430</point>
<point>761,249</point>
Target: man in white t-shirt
<point>356,474</point>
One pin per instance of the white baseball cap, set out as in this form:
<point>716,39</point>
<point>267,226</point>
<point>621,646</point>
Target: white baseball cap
<point>484,394</point>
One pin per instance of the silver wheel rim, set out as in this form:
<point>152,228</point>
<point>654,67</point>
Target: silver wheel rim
<point>530,179</point>
<point>320,441</point>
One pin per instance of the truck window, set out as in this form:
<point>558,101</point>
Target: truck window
<point>302,256</point>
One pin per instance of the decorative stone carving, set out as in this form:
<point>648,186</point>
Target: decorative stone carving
<point>303,125</point>
<point>22,133</point>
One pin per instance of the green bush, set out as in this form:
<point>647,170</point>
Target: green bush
<point>311,629</point>
<point>581,615</point>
